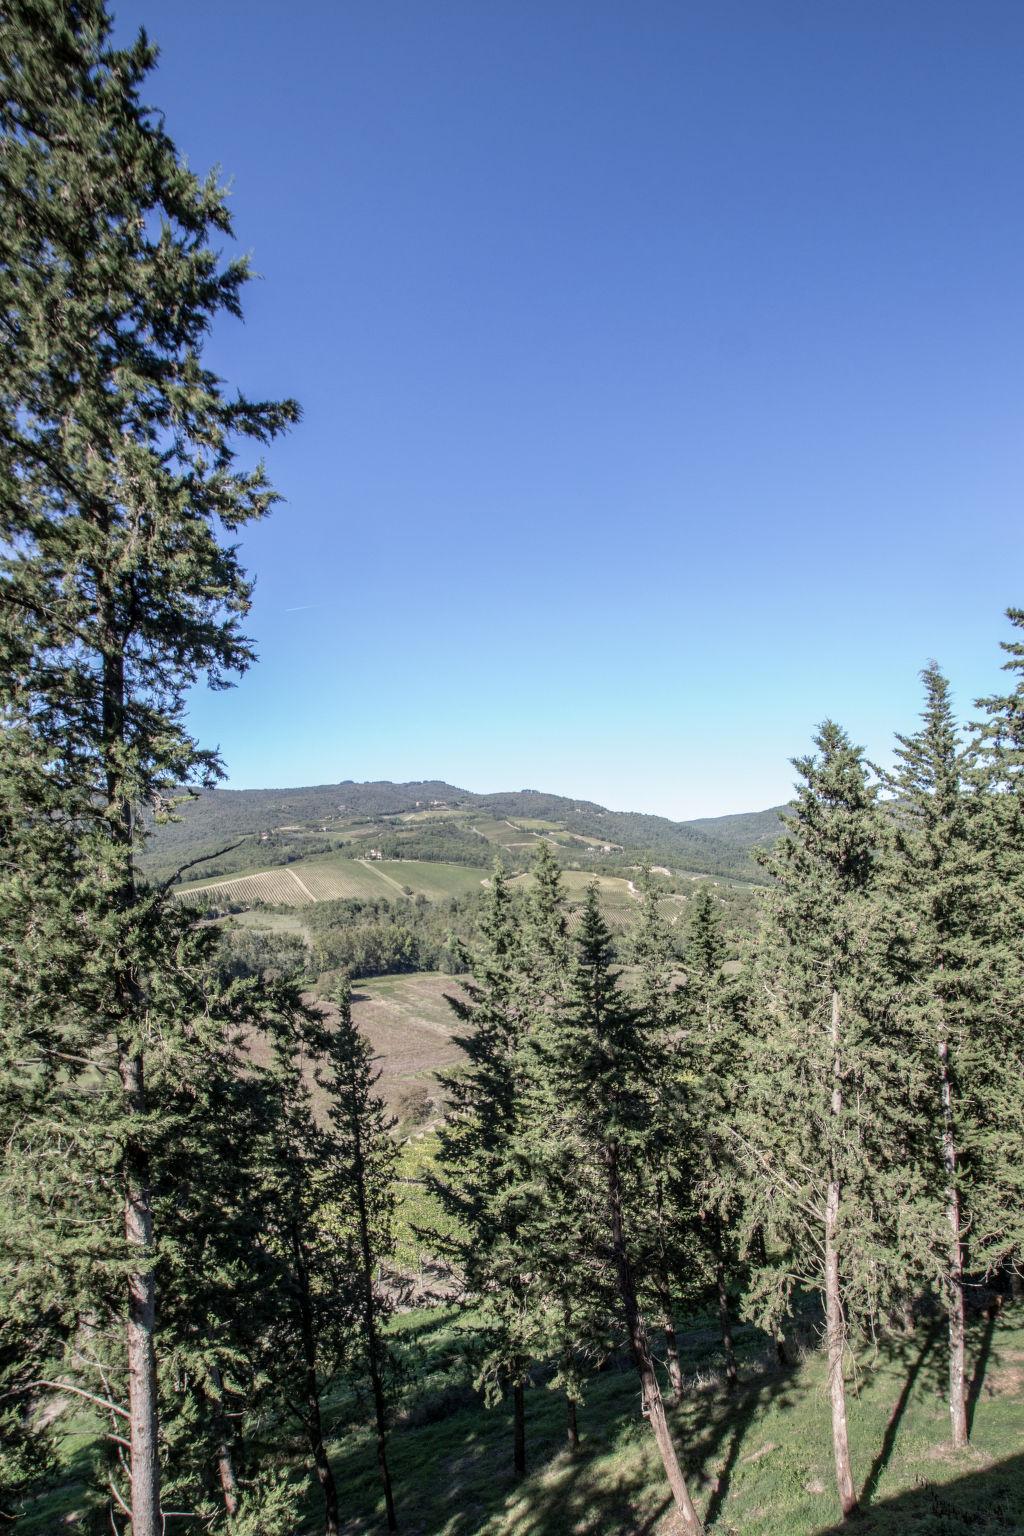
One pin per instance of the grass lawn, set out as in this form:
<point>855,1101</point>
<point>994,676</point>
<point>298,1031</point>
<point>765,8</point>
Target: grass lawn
<point>759,1462</point>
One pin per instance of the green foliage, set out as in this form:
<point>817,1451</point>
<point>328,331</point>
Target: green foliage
<point>377,938</point>
<point>118,481</point>
<point>483,1183</point>
<point>824,1015</point>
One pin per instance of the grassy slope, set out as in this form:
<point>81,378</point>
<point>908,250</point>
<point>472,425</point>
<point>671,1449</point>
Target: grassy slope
<point>409,1026</point>
<point>760,1463</point>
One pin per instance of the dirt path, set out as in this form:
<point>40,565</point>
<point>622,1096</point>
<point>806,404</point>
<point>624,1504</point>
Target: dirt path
<point>373,868</point>
<point>303,888</point>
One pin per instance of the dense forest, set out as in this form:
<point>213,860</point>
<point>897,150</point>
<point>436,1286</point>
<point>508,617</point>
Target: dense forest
<point>796,1117</point>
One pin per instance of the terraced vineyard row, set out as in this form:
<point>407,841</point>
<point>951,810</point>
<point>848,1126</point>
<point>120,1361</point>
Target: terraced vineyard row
<point>278,887</point>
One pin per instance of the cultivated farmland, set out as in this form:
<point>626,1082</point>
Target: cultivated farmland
<point>333,878</point>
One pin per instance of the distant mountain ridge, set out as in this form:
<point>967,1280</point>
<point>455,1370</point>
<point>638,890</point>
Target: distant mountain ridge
<point>717,845</point>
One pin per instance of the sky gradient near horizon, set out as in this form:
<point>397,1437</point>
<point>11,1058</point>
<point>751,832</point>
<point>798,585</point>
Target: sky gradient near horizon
<point>662,377</point>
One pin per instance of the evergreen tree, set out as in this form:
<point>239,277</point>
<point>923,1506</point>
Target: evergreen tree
<point>365,1222</point>
<point>669,1165</point>
<point>484,1180</point>
<point>823,1085</point>
<point>709,1009</point>
<point>612,1066</point>
<point>116,593</point>
<point>938,880</point>
<point>316,1310</point>
<point>575,1303</point>
<point>998,769</point>
<point>216,1178</point>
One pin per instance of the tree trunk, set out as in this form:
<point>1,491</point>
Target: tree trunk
<point>325,1477</point>
<point>1016,1280</point>
<point>225,1465</point>
<point>955,1277</point>
<point>571,1427</point>
<point>370,1329</point>
<point>675,1372</point>
<point>834,1321</point>
<point>519,1428</point>
<point>143,1402</point>
<point>314,1423</point>
<point>653,1406</point>
<point>142,1385</point>
<point>725,1324</point>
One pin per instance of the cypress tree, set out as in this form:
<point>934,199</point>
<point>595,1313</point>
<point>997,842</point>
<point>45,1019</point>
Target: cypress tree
<point>612,1067</point>
<point>484,1178</point>
<point>822,1080</point>
<point>998,770</point>
<point>365,1220</point>
<point>937,878</point>
<point>118,472</point>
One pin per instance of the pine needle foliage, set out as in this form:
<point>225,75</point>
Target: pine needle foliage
<point>612,1056</point>
<point>937,878</point>
<point>118,592</point>
<point>823,1088</point>
<point>485,1182</point>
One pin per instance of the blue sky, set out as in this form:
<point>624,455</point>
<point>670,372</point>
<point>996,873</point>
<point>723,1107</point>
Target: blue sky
<point>662,376</point>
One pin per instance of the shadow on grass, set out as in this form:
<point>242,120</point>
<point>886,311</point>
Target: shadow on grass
<point>916,1354</point>
<point>453,1474</point>
<point>454,1477</point>
<point>981,1359</point>
<point>982,1503</point>
<point>734,1413</point>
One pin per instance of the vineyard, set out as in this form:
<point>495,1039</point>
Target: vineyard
<point>331,880</point>
<point>275,888</point>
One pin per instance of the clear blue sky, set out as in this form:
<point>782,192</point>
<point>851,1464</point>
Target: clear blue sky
<point>662,372</point>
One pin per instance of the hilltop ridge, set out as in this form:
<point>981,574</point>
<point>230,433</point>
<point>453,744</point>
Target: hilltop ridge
<point>458,822</point>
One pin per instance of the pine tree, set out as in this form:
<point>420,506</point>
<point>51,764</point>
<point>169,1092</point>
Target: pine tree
<point>612,1066</point>
<point>484,1181</point>
<point>938,880</point>
<point>670,1164</point>
<point>217,1204</point>
<point>316,1308</point>
<point>709,1010</point>
<point>116,592</point>
<point>998,771</point>
<point>365,1221</point>
<point>822,1081</point>
<point>575,1303</point>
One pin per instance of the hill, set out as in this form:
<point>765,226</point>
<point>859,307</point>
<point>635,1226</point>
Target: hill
<point>430,819</point>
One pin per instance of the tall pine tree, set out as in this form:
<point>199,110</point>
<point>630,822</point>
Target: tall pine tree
<point>612,1069</point>
<point>822,1078</point>
<point>117,590</point>
<point>364,1220</point>
<point>484,1180</point>
<point>937,877</point>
